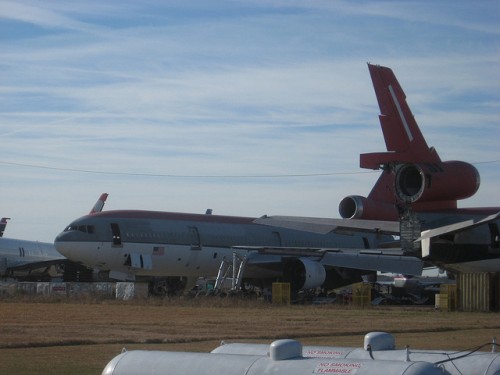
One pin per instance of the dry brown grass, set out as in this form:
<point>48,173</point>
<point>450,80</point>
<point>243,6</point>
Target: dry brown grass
<point>81,337</point>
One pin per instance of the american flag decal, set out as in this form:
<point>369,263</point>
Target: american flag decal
<point>158,250</point>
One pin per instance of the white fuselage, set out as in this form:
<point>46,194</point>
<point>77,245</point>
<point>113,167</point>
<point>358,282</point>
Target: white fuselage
<point>18,253</point>
<point>150,243</point>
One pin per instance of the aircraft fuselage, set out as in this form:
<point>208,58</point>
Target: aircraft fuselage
<point>151,243</point>
<point>15,254</point>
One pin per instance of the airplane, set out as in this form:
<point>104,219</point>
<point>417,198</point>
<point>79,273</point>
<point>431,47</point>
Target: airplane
<point>141,245</point>
<point>28,259</point>
<point>420,190</point>
<point>415,187</point>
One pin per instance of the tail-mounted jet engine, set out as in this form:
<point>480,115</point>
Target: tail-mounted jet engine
<point>303,273</point>
<point>358,207</point>
<point>434,182</point>
<point>424,186</point>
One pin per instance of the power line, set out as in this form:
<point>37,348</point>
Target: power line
<point>90,171</point>
<point>169,175</point>
<point>487,162</point>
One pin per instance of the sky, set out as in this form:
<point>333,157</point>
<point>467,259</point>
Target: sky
<point>245,107</point>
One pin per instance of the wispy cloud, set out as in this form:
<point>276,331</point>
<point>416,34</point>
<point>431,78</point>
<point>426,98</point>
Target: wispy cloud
<point>228,89</point>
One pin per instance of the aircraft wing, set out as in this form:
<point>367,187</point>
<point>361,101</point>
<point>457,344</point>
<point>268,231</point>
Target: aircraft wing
<point>457,227</point>
<point>326,225</point>
<point>371,260</point>
<point>374,262</point>
<point>426,235</point>
<point>25,266</point>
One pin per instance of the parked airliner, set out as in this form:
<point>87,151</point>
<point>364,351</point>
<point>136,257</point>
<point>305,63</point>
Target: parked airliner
<point>415,187</point>
<point>127,244</point>
<point>28,259</point>
<point>421,190</point>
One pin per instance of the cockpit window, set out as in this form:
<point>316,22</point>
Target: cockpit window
<point>80,228</point>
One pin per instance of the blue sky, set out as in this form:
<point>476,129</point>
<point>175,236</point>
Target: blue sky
<point>184,106</point>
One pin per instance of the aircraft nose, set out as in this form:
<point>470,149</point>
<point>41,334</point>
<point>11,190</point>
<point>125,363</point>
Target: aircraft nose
<point>61,244</point>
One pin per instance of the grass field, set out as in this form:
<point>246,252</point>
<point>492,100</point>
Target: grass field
<point>80,337</point>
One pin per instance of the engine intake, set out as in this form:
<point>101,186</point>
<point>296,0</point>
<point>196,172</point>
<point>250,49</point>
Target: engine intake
<point>303,273</point>
<point>446,181</point>
<point>357,207</point>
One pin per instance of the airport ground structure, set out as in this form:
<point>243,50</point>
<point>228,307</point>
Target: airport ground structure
<point>472,292</point>
<point>91,290</point>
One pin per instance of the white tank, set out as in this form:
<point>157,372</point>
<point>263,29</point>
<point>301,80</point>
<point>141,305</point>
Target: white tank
<point>284,359</point>
<point>382,347</point>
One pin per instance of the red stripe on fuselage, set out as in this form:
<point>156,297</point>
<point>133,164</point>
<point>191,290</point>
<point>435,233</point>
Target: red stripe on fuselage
<point>160,215</point>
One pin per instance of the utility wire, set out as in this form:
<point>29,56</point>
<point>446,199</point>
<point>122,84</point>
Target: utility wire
<point>168,175</point>
<point>76,170</point>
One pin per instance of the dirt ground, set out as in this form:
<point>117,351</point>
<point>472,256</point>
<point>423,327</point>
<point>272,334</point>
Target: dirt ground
<point>80,337</point>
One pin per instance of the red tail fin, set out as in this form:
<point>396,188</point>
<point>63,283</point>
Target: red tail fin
<point>412,173</point>
<point>405,143</point>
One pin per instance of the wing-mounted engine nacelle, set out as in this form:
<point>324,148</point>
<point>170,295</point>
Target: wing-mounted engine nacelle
<point>357,207</point>
<point>447,181</point>
<point>303,273</point>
